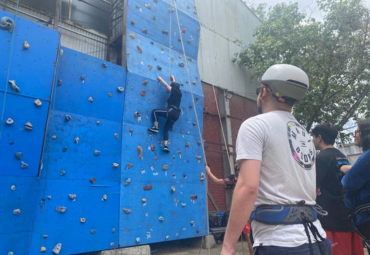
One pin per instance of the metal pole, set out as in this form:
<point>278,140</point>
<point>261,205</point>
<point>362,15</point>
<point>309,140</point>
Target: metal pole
<point>70,9</point>
<point>56,15</point>
<point>124,20</point>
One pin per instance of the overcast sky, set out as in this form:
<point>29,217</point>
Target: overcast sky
<point>309,6</point>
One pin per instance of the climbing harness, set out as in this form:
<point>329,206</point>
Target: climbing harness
<point>360,209</point>
<point>292,214</point>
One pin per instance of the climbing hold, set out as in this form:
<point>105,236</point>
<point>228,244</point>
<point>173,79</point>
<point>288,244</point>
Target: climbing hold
<point>198,157</point>
<point>127,211</point>
<point>173,156</point>
<point>156,1</point>
<point>159,68</point>
<point>38,102</point>
<point>132,22</point>
<point>61,209</point>
<point>140,151</point>
<point>62,172</point>
<point>26,45</point>
<point>129,165</point>
<point>105,197</point>
<point>43,249</point>
<point>139,49</point>
<point>16,211</point>
<point>171,9</point>
<point>68,117</point>
<point>181,64</point>
<point>189,41</point>
<point>104,65</point>
<point>13,187</point>
<point>179,152</point>
<point>98,123</point>
<point>194,83</point>
<point>111,244</point>
<point>202,176</point>
<point>116,135</point>
<point>92,231</point>
<point>199,142</point>
<point>113,230</point>
<point>154,17</point>
<point>82,220</point>
<point>145,31</point>
<point>167,237</point>
<point>115,165</point>
<point>148,187</point>
<point>142,93</point>
<point>173,189</point>
<point>64,149</point>
<point>18,155</point>
<point>176,200</point>
<point>72,196</point>
<point>155,158</point>
<point>143,200</point>
<point>7,24</point>
<point>184,175</point>
<point>14,86</point>
<point>192,223</point>
<point>165,32</point>
<point>83,78</point>
<point>132,35</point>
<point>92,180</point>
<point>145,82</point>
<point>137,115</point>
<point>183,30</point>
<point>28,126</point>
<point>120,89</point>
<point>57,248</point>
<point>127,182</point>
<point>165,167</point>
<point>45,236</point>
<point>194,123</point>
<point>137,240</point>
<point>197,231</point>
<point>91,99</point>
<point>9,121</point>
<point>187,145</point>
<point>96,152</point>
<point>110,94</point>
<point>23,165</point>
<point>149,6</point>
<point>183,204</point>
<point>131,131</point>
<point>48,197</point>
<point>152,147</point>
<point>150,67</point>
<point>76,140</point>
<point>60,82</point>
<point>170,164</point>
<point>193,197</point>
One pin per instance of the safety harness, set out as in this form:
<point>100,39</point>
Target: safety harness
<point>291,214</point>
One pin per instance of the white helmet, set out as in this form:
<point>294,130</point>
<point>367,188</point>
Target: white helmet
<point>286,81</point>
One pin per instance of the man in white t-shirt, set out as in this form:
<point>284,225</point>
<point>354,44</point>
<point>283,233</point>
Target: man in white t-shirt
<point>277,180</point>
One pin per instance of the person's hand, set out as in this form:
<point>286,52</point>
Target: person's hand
<point>318,191</point>
<point>208,170</point>
<point>227,250</point>
<point>172,78</point>
<point>160,78</point>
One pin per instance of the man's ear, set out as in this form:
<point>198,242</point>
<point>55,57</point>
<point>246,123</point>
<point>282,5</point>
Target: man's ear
<point>266,93</point>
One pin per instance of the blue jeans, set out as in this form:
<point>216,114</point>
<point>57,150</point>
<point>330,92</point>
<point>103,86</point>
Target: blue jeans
<point>300,250</point>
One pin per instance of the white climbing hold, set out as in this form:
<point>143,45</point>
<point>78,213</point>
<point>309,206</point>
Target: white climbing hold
<point>28,126</point>
<point>91,99</point>
<point>26,45</point>
<point>17,211</point>
<point>96,153</point>
<point>43,249</point>
<point>61,209</point>
<point>9,121</point>
<point>13,187</point>
<point>72,196</point>
<point>14,86</point>
<point>38,102</point>
<point>24,165</point>
<point>82,220</point>
<point>120,89</point>
<point>57,248</point>
<point>76,140</point>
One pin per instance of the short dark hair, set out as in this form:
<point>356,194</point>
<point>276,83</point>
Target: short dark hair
<point>327,131</point>
<point>364,127</point>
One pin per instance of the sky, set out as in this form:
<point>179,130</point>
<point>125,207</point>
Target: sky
<point>309,6</point>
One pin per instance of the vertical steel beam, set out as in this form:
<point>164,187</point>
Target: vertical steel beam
<point>124,29</point>
<point>56,15</point>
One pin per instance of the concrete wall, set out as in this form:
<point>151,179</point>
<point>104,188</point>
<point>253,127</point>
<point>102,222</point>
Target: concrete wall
<point>222,22</point>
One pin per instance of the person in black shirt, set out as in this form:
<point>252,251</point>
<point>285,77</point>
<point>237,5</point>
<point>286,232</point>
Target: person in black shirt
<point>330,193</point>
<point>171,113</point>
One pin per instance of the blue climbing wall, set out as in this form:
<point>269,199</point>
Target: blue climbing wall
<point>89,194</point>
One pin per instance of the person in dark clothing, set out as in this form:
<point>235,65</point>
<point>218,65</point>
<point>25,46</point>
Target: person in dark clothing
<point>171,113</point>
<point>330,193</point>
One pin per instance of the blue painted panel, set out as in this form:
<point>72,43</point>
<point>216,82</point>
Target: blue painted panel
<point>152,22</point>
<point>32,69</point>
<point>15,230</point>
<point>74,93</point>
<point>156,97</point>
<point>76,237</point>
<point>15,138</point>
<point>79,161</point>
<point>188,7</point>
<point>155,54</point>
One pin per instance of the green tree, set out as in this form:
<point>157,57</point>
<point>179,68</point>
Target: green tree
<point>333,52</point>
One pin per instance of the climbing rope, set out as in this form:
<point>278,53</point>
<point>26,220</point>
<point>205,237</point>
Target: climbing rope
<point>9,66</point>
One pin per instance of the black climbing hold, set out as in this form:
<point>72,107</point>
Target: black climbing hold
<point>145,31</point>
<point>62,172</point>
<point>181,64</point>
<point>193,197</point>
<point>187,145</point>
<point>148,187</point>
<point>64,149</point>
<point>132,22</point>
<point>11,142</point>
<point>92,231</point>
<point>68,117</point>
<point>104,65</point>
<point>159,68</point>
<point>18,155</point>
<point>152,147</point>
<point>165,32</point>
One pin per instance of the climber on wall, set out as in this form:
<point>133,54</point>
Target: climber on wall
<point>171,113</point>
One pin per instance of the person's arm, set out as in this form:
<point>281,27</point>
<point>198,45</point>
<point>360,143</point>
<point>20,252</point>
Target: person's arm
<point>213,178</point>
<point>358,175</point>
<point>345,168</point>
<point>168,87</point>
<point>322,165</point>
<point>244,197</point>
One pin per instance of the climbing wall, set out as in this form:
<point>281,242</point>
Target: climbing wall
<point>163,196</point>
<point>28,53</point>
<point>104,181</point>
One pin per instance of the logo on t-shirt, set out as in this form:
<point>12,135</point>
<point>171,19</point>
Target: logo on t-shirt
<point>301,145</point>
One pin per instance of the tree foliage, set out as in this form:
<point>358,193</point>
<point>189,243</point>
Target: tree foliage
<point>335,53</point>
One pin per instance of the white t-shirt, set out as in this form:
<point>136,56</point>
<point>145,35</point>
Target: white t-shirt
<point>288,172</point>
